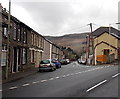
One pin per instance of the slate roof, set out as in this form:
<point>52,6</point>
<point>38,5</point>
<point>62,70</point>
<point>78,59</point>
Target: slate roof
<point>102,30</point>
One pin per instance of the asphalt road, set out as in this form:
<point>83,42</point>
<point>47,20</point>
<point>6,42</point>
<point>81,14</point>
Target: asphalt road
<point>72,80</point>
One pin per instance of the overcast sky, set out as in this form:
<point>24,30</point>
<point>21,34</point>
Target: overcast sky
<point>59,17</point>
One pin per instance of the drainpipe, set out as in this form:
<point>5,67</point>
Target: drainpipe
<point>8,41</point>
<point>109,42</point>
<point>50,51</point>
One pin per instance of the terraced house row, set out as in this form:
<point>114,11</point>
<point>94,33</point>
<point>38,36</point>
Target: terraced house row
<point>26,46</point>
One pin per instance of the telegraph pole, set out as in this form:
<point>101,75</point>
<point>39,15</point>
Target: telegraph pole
<point>109,43</point>
<point>8,41</point>
<point>92,43</point>
<point>87,47</point>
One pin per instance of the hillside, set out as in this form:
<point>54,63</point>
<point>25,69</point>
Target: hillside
<point>74,41</point>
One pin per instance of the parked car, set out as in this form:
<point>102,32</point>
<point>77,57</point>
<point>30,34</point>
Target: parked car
<point>63,62</point>
<point>79,61</point>
<point>83,60</point>
<point>68,61</point>
<point>47,65</point>
<point>57,63</point>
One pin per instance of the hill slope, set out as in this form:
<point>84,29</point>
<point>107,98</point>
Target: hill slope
<point>74,41</point>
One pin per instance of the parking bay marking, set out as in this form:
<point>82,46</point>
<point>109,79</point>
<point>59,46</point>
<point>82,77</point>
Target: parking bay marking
<point>64,76</point>
<point>43,80</point>
<point>57,77</point>
<point>13,87</point>
<point>35,82</point>
<point>52,79</point>
<point>25,84</point>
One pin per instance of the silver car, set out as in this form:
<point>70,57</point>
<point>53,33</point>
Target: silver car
<point>47,65</point>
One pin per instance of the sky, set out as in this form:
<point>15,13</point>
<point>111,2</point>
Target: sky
<point>60,17</point>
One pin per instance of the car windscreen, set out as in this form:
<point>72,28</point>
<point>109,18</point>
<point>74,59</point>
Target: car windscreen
<point>45,62</point>
<point>54,61</point>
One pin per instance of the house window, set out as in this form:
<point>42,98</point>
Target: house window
<point>39,42</point>
<point>4,55</point>
<point>32,55</point>
<point>24,56</point>
<point>32,39</point>
<point>19,34</point>
<point>36,40</point>
<point>25,36</point>
<point>106,51</point>
<point>5,31</point>
<point>14,32</point>
<point>4,47</point>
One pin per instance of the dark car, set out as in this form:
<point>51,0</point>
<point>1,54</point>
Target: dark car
<point>79,61</point>
<point>47,65</point>
<point>68,61</point>
<point>57,63</point>
<point>63,62</point>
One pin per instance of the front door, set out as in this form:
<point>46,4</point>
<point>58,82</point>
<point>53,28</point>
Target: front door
<point>106,52</point>
<point>16,59</point>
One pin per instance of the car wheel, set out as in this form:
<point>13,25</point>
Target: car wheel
<point>40,70</point>
<point>52,69</point>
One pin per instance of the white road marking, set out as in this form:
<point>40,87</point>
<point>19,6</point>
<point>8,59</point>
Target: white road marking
<point>77,73</point>
<point>68,75</point>
<point>26,85</point>
<point>72,74</point>
<point>64,76</point>
<point>35,82</point>
<point>51,79</point>
<point>57,77</point>
<point>96,85</point>
<point>13,87</point>
<point>87,66</point>
<point>115,75</point>
<point>88,70</point>
<point>0,90</point>
<point>43,80</point>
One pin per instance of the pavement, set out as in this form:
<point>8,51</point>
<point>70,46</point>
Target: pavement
<point>19,75</point>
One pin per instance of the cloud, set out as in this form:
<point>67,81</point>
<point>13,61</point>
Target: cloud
<point>57,17</point>
<point>50,17</point>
